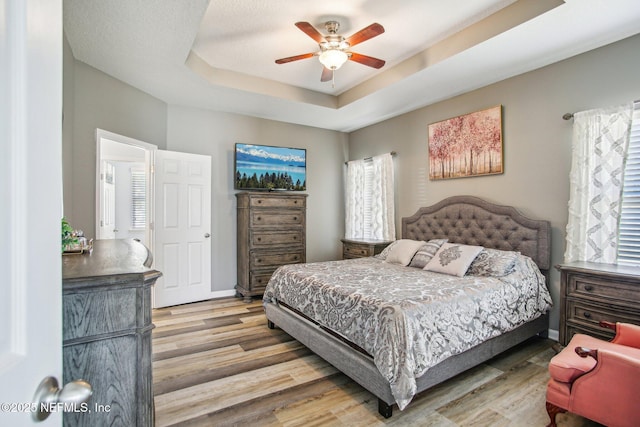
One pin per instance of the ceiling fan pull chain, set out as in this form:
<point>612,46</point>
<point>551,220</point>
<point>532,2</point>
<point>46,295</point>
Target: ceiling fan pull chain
<point>333,79</point>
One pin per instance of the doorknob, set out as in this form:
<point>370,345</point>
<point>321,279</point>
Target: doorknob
<point>207,235</point>
<point>48,396</point>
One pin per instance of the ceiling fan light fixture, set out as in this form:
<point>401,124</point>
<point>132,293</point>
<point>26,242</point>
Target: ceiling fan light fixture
<point>333,58</point>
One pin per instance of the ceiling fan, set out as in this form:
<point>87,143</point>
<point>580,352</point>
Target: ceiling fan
<point>335,49</point>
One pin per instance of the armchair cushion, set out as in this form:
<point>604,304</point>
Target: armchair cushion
<point>566,366</point>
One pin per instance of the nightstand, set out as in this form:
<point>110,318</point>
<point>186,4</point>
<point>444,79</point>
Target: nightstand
<point>591,292</point>
<point>360,248</point>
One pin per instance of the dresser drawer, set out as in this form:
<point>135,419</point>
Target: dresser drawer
<point>272,259</point>
<point>272,218</point>
<point>277,202</point>
<point>269,239</point>
<point>112,311</point>
<point>595,288</point>
<point>260,279</point>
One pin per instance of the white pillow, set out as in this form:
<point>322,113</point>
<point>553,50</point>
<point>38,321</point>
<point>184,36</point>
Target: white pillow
<point>403,250</point>
<point>453,259</point>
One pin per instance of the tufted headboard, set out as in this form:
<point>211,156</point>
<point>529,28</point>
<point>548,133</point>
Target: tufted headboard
<point>470,220</point>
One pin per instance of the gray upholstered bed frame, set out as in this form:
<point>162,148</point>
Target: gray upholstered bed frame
<point>461,219</point>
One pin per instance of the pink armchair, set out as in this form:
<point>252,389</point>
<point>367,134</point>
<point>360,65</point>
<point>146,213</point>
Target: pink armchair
<point>597,379</point>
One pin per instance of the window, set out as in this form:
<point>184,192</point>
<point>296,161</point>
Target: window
<point>138,199</point>
<point>629,229</point>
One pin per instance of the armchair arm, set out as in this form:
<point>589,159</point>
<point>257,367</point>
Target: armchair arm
<point>608,393</point>
<point>627,334</point>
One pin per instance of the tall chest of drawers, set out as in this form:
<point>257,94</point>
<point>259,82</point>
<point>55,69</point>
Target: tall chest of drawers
<point>271,233</point>
<point>591,292</point>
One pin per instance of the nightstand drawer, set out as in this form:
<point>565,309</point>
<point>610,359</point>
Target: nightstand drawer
<point>590,315</point>
<point>601,289</point>
<point>356,251</point>
<point>265,239</point>
<point>603,334</point>
<point>271,218</point>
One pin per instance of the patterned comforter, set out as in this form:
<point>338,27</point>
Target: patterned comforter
<point>409,319</point>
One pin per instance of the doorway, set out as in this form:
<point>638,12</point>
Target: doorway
<point>124,188</point>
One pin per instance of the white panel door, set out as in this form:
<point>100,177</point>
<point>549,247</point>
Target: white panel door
<point>31,207</point>
<point>182,228</point>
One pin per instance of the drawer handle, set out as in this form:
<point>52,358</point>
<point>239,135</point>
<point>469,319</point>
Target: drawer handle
<point>258,260</point>
<point>259,239</point>
<point>259,201</point>
<point>259,218</point>
<point>363,252</point>
<point>259,280</point>
<point>295,202</point>
<point>295,218</point>
<point>295,237</point>
<point>587,315</point>
<point>588,288</point>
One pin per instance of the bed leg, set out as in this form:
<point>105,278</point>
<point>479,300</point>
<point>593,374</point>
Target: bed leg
<point>270,324</point>
<point>385,409</point>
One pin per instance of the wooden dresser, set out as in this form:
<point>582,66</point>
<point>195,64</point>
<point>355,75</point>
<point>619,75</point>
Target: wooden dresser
<point>106,306</point>
<point>359,248</point>
<point>591,292</point>
<point>271,233</point>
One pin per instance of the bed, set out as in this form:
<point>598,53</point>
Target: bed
<point>398,330</point>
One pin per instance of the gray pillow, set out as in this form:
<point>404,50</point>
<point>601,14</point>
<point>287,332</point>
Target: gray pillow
<point>493,262</point>
<point>426,252</point>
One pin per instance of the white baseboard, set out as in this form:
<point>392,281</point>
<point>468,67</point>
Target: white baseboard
<point>553,334</point>
<point>223,294</point>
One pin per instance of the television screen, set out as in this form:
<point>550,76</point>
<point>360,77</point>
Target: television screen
<point>262,167</point>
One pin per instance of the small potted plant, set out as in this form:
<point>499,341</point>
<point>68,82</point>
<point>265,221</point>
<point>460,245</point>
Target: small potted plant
<point>69,239</point>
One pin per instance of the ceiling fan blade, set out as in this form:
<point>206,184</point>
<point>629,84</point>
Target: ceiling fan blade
<point>327,75</point>
<point>294,58</point>
<point>310,30</point>
<point>365,34</point>
<point>367,60</point>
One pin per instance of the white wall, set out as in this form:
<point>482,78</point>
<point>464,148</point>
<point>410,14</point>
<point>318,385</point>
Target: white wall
<point>206,132</point>
<point>537,141</point>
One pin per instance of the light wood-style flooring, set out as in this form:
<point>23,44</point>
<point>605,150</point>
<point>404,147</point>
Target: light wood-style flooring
<point>217,364</point>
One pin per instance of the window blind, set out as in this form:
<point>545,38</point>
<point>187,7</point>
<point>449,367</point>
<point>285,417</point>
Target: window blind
<point>629,229</point>
<point>138,199</point>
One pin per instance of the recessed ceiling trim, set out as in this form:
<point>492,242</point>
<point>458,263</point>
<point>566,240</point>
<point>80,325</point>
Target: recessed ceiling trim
<point>491,26</point>
<point>231,79</point>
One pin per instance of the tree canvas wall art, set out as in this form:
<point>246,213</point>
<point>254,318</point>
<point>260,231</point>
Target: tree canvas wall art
<point>468,145</point>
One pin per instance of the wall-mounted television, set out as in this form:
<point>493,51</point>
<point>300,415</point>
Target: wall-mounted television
<point>264,167</point>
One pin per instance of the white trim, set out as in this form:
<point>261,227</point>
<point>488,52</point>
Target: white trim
<point>553,335</point>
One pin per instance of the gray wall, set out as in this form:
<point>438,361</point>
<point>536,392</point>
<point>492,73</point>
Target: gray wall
<point>93,100</point>
<point>537,141</point>
<point>97,100</point>
<point>205,132</point>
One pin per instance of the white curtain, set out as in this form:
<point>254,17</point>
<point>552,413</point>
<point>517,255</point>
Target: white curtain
<point>354,203</point>
<point>600,141</point>
<point>370,209</point>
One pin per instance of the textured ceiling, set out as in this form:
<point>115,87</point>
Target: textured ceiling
<point>220,54</point>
